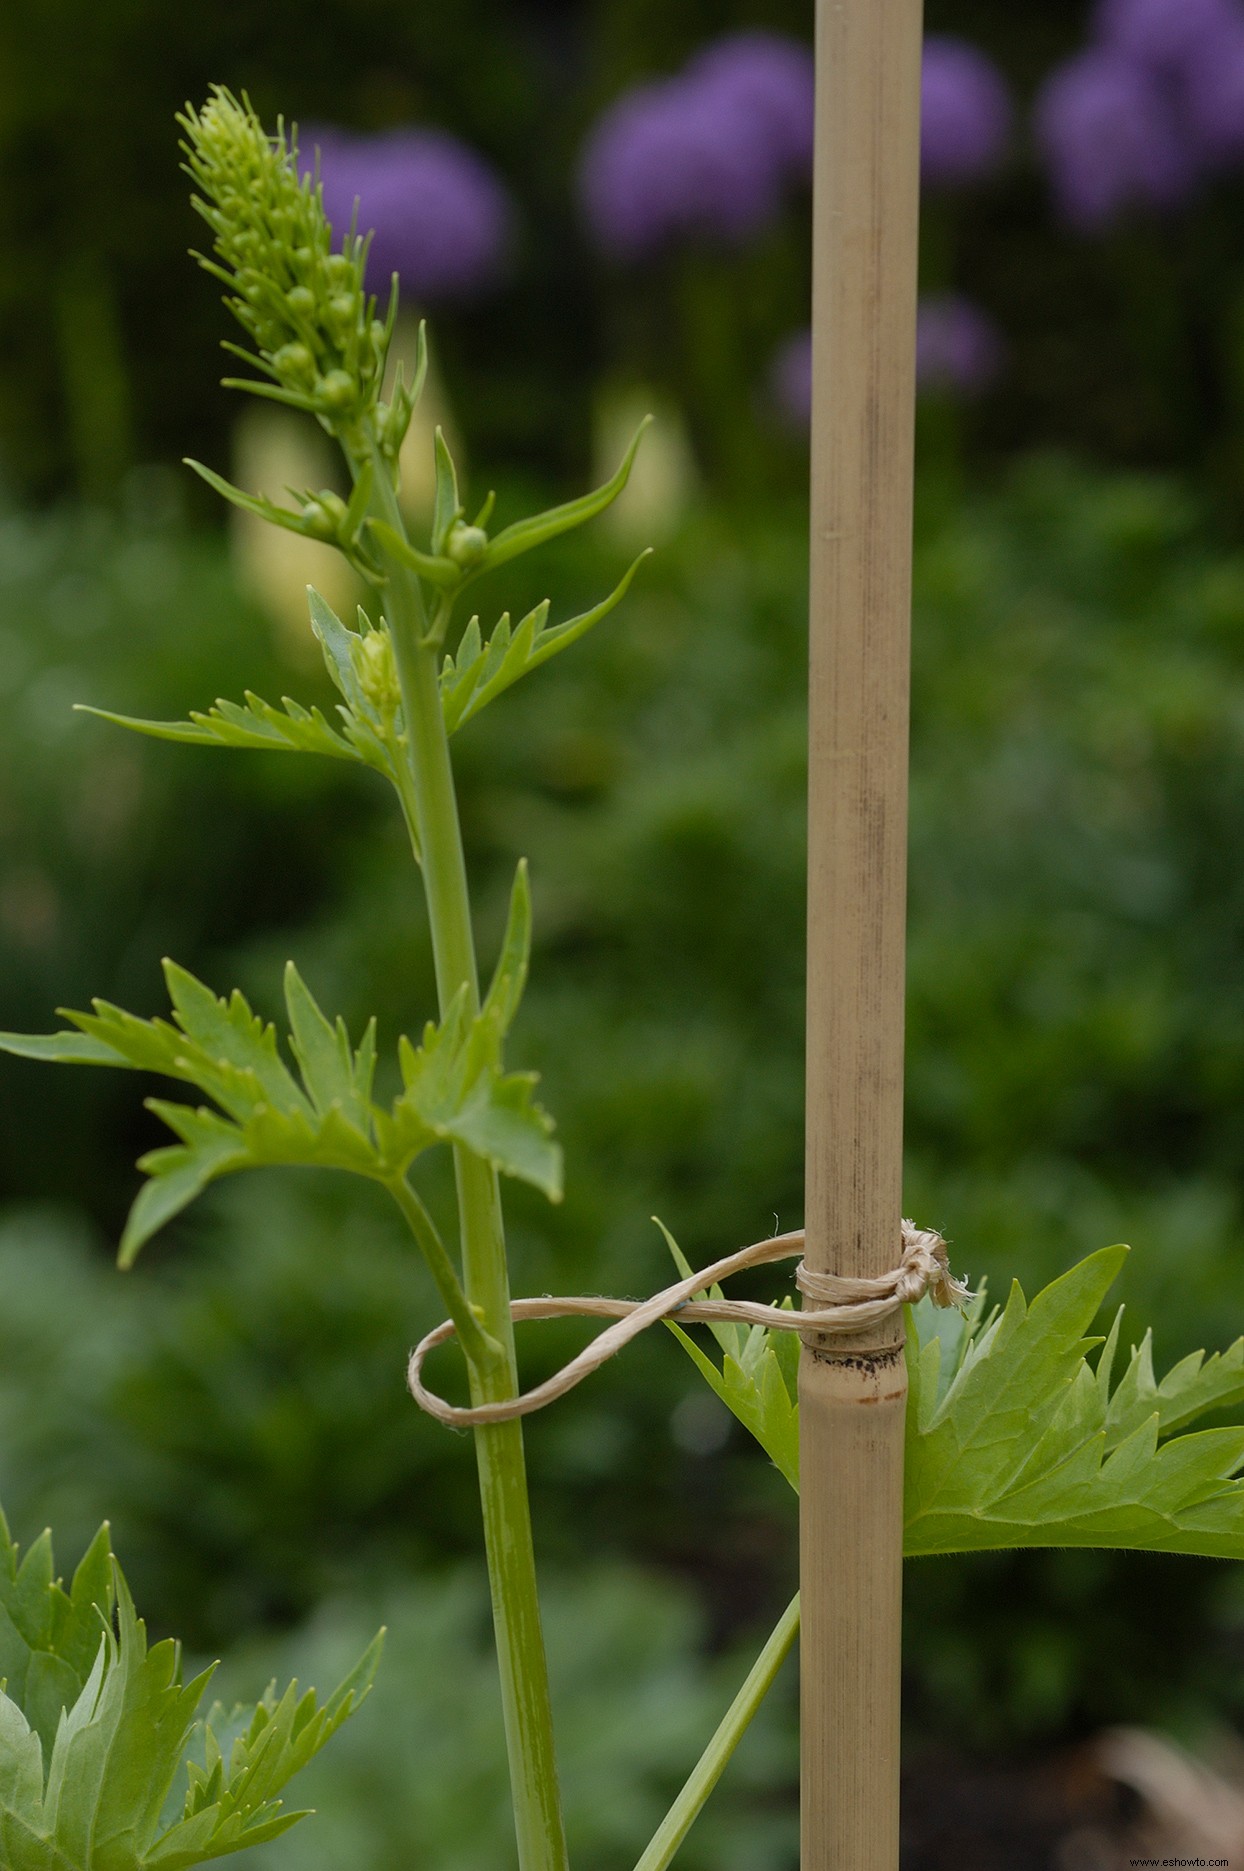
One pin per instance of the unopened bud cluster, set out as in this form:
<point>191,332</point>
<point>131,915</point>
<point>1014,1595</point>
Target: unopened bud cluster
<point>376,669</point>
<point>302,304</point>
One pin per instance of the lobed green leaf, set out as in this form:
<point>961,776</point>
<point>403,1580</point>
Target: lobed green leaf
<point>454,1086</point>
<point>291,728</point>
<point>1015,1439</point>
<point>91,1750</point>
<point>482,671</point>
<point>258,725</point>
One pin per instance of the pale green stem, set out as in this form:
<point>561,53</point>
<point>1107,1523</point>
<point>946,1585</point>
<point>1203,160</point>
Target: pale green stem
<point>406,796</point>
<point>475,1342</point>
<point>708,1770</point>
<point>508,1541</point>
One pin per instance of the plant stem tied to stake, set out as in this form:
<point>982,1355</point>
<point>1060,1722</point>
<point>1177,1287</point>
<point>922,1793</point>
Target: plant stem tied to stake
<point>852,1392</point>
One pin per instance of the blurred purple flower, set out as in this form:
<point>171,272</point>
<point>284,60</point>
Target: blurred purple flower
<point>705,153</point>
<point>790,380</point>
<point>1162,34</point>
<point>442,220</point>
<point>774,79</point>
<point>1110,133</point>
<point>957,346</point>
<point>674,158</point>
<point>1212,94</point>
<point>965,113</point>
<point>1195,49</point>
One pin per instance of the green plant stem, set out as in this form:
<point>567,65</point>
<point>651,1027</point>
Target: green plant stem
<point>508,1541</point>
<point>708,1770</point>
<point>475,1341</point>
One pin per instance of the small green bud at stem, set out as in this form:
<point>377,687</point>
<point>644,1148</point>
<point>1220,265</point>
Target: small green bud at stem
<point>316,521</point>
<point>465,545</point>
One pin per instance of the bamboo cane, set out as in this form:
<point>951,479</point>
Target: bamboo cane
<point>852,1393</point>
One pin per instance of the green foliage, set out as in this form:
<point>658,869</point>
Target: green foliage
<point>360,664</point>
<point>372,732</point>
<point>481,671</point>
<point>636,1693</point>
<point>50,1638</point>
<point>461,554</point>
<point>291,728</point>
<point>454,1088</point>
<point>1014,1439</point>
<point>756,1379</point>
<point>526,535</point>
<point>324,516</point>
<point>1074,1069</point>
<point>95,1728</point>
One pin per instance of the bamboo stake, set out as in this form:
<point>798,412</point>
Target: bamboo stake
<point>853,1393</point>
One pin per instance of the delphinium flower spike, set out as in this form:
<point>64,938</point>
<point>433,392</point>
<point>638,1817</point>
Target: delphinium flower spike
<point>303,305</point>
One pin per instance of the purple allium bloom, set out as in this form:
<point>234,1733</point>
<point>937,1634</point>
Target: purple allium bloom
<point>442,220</point>
<point>957,346</point>
<point>706,153</point>
<point>1212,94</point>
<point>1162,34</point>
<point>790,380</point>
<point>1110,133</point>
<point>774,79</point>
<point>1195,50</point>
<point>678,158</point>
<point>965,113</point>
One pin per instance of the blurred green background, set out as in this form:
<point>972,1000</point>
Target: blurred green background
<point>1076,1014</point>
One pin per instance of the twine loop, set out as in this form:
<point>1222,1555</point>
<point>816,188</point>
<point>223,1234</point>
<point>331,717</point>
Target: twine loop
<point>840,1304</point>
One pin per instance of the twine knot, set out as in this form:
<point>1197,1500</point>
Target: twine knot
<point>842,1303</point>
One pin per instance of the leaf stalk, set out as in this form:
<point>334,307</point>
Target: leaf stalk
<point>708,1770</point>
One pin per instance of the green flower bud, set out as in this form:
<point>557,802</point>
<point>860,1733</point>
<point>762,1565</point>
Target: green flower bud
<point>317,523</point>
<point>301,302</point>
<point>465,545</point>
<point>336,392</point>
<point>295,363</point>
<point>377,672</point>
<point>324,515</point>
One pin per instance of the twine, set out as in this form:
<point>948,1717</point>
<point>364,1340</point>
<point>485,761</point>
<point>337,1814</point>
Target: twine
<point>840,1304</point>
